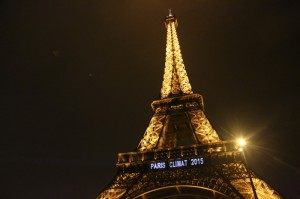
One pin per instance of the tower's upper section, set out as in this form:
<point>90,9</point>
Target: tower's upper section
<point>179,118</point>
<point>176,81</point>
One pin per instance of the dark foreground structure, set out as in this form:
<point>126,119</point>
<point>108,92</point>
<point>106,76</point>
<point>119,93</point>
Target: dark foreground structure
<point>180,154</point>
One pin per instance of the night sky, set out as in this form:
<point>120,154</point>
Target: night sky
<point>78,77</point>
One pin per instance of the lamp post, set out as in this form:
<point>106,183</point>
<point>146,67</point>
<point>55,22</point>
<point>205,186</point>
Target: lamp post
<point>241,145</point>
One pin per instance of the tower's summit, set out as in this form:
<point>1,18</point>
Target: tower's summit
<point>180,154</point>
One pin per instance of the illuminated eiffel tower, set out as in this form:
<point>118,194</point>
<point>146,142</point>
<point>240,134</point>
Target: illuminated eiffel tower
<point>180,154</point>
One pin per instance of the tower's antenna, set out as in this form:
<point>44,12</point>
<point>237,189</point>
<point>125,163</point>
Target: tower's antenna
<point>170,12</point>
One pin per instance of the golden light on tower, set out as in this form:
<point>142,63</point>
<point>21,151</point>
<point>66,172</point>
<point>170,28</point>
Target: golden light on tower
<point>175,80</point>
<point>180,153</point>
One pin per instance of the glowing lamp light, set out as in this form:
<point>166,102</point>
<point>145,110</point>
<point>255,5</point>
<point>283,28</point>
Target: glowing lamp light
<point>241,142</point>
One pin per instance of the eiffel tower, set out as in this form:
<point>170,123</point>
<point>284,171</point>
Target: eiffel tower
<point>180,154</point>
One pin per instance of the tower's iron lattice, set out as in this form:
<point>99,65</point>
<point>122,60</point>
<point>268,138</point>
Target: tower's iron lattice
<point>180,154</point>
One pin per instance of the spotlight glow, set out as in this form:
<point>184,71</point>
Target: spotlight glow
<point>241,142</point>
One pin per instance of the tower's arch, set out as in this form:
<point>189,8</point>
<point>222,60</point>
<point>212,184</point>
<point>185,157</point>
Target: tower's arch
<point>182,192</point>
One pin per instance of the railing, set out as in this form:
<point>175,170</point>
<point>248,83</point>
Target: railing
<point>218,149</point>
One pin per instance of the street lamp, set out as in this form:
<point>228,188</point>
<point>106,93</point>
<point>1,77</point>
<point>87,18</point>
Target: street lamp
<point>241,143</point>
